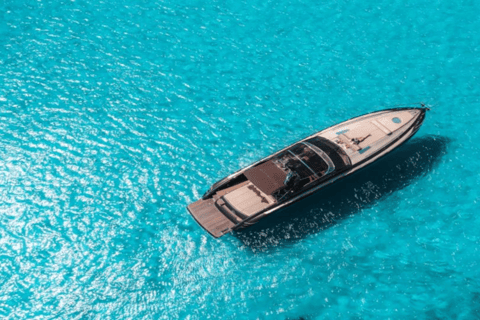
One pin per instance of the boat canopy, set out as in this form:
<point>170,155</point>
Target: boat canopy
<point>267,176</point>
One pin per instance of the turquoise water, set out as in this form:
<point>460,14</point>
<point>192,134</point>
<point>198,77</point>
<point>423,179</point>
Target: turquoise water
<point>115,115</point>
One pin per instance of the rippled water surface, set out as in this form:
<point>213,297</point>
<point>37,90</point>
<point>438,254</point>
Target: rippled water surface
<point>114,115</point>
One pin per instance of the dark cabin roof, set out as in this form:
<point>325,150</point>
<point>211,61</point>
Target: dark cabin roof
<point>267,177</point>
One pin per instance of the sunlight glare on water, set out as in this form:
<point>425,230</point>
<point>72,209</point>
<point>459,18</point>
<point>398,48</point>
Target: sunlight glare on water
<point>115,115</point>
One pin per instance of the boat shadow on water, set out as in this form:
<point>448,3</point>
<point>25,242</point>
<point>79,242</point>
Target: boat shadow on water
<point>354,193</point>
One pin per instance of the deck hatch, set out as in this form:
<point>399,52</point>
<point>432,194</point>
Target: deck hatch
<point>364,150</point>
<point>381,127</point>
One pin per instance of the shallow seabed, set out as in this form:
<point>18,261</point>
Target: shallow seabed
<point>115,115</point>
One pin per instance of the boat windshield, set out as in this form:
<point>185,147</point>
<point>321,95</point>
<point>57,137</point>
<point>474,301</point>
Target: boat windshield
<point>333,151</point>
<point>305,161</point>
<point>309,161</point>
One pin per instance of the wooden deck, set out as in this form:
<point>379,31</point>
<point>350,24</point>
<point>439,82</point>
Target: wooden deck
<point>227,190</point>
<point>210,218</point>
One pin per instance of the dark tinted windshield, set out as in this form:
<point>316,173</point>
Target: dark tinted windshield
<point>306,161</point>
<point>313,159</point>
<point>334,152</point>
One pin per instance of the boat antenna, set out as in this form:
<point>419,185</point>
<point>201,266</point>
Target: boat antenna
<point>423,106</point>
<point>427,106</point>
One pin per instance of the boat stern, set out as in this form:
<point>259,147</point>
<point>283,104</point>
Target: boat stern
<point>210,218</point>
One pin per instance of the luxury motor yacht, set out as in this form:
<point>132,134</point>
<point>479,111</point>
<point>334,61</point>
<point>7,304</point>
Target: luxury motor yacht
<point>303,168</point>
